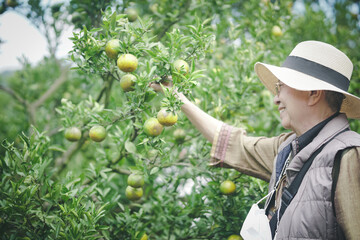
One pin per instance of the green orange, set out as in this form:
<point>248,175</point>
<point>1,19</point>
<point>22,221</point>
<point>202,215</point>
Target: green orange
<point>72,134</point>
<point>135,180</point>
<point>132,14</point>
<point>133,194</point>
<point>166,118</point>
<point>227,187</point>
<point>235,237</point>
<point>181,66</point>
<point>127,62</point>
<point>276,31</point>
<point>152,127</point>
<point>112,48</point>
<point>144,237</point>
<point>127,82</point>
<point>97,133</point>
<point>179,135</point>
<point>12,3</point>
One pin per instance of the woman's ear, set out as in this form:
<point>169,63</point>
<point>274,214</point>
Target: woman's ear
<point>315,96</point>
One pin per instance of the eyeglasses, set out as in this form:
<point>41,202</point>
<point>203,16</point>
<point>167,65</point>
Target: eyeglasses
<point>278,87</point>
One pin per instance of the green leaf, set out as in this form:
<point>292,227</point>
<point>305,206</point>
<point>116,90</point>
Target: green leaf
<point>130,147</point>
<point>154,170</point>
<point>57,148</point>
<point>70,184</point>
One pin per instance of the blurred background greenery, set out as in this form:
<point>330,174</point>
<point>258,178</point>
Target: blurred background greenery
<point>77,189</point>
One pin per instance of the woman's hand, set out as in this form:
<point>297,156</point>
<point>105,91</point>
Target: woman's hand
<point>159,87</point>
<point>166,82</point>
<point>205,123</point>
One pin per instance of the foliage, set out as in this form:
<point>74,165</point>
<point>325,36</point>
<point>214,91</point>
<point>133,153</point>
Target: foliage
<point>55,189</point>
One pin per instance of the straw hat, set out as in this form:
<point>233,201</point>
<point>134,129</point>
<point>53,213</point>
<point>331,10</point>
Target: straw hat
<point>314,65</point>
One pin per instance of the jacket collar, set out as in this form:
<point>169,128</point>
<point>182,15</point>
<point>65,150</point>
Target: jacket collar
<point>302,141</point>
<point>334,126</point>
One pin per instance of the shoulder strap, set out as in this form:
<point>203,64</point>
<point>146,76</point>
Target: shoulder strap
<point>335,175</point>
<point>290,192</point>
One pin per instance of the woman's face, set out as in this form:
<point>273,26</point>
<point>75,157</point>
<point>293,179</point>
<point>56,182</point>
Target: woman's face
<point>291,105</point>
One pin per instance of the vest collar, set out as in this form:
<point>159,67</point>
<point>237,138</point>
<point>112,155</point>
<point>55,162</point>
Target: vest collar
<point>335,125</point>
<point>302,141</point>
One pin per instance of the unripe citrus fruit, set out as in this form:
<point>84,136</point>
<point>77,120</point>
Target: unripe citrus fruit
<point>154,7</point>
<point>144,237</point>
<point>227,187</point>
<point>166,118</point>
<point>132,14</point>
<point>112,48</point>
<point>276,31</point>
<point>152,127</point>
<point>181,66</point>
<point>127,82</point>
<point>133,194</point>
<point>97,133</point>
<point>127,62</point>
<point>179,135</point>
<point>135,180</point>
<point>12,3</point>
<point>266,2</point>
<point>235,237</point>
<point>73,134</point>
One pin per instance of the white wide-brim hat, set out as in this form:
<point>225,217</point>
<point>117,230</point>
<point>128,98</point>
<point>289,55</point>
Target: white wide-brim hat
<point>314,65</point>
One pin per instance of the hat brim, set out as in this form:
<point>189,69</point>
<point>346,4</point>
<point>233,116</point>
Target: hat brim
<point>269,75</point>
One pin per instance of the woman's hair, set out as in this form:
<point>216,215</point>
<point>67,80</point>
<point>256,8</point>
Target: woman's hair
<point>334,100</point>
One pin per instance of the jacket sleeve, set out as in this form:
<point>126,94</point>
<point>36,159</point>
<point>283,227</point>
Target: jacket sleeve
<point>347,194</point>
<point>253,156</point>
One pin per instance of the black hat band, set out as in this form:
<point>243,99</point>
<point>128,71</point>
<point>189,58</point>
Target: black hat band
<point>318,71</point>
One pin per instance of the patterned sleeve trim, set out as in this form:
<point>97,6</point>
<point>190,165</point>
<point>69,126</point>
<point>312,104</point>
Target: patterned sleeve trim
<point>220,144</point>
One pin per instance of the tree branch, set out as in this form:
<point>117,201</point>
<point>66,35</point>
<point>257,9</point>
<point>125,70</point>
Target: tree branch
<point>13,94</point>
<point>62,161</point>
<point>168,26</point>
<point>58,82</point>
<point>109,83</point>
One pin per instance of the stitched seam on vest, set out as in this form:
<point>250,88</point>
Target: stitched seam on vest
<point>326,204</point>
<point>287,230</point>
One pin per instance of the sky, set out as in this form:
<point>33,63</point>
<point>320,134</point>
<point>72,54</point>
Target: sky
<point>23,39</point>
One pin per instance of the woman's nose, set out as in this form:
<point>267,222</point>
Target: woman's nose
<point>276,99</point>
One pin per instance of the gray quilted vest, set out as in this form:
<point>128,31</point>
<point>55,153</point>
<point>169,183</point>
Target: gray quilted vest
<point>310,214</point>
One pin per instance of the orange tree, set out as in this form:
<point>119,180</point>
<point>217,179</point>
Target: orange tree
<point>52,188</point>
